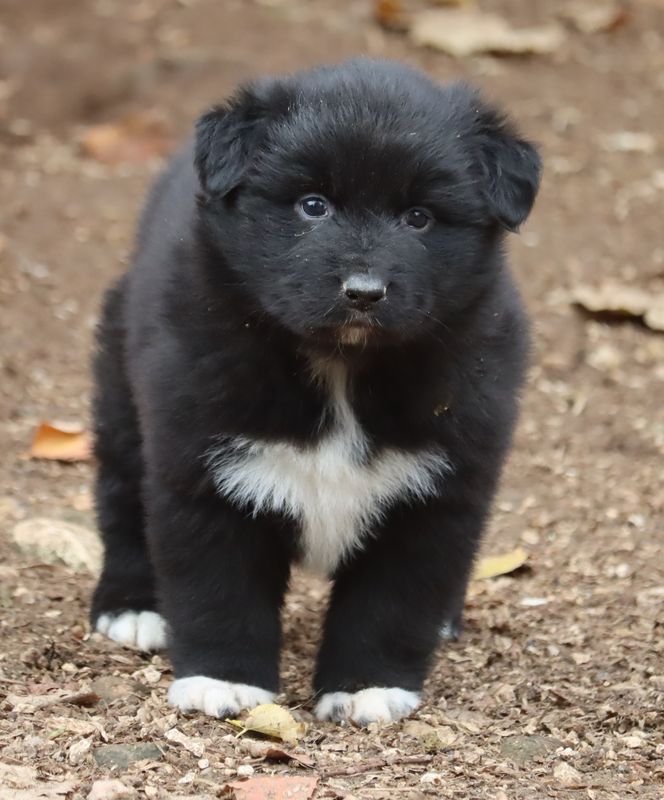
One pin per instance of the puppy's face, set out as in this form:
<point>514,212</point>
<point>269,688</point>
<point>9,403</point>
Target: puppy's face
<point>362,203</point>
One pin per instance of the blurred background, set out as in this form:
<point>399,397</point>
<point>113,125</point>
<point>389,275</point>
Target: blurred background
<point>567,652</point>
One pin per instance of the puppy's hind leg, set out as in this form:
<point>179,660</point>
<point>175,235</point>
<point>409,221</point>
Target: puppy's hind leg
<point>123,606</point>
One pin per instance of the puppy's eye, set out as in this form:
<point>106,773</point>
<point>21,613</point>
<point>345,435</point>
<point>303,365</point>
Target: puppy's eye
<point>418,218</point>
<point>314,206</point>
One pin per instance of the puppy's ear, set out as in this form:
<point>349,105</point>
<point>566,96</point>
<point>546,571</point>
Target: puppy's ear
<point>511,169</point>
<point>226,138</point>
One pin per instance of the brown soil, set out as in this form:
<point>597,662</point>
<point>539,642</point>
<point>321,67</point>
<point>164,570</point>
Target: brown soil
<point>562,699</point>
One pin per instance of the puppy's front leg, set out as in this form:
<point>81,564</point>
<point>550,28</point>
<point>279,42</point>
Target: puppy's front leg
<point>387,609</point>
<point>221,576</point>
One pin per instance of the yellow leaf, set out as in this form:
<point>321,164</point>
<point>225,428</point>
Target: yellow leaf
<point>271,720</point>
<point>57,443</point>
<point>493,566</point>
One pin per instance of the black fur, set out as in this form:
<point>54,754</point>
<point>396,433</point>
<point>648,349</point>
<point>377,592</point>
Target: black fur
<point>212,332</point>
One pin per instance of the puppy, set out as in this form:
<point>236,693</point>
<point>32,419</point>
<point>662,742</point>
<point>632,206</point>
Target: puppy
<point>314,358</point>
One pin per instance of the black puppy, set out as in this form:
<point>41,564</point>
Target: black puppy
<point>315,358</point>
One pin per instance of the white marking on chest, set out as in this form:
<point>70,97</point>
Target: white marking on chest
<point>334,488</point>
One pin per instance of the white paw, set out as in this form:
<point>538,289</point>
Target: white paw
<point>216,698</point>
<point>367,705</point>
<point>143,629</point>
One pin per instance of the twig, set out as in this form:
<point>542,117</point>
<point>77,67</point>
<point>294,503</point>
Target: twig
<point>376,764</point>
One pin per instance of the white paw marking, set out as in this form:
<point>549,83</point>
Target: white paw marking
<point>216,698</point>
<point>367,705</point>
<point>145,630</point>
<point>334,488</point>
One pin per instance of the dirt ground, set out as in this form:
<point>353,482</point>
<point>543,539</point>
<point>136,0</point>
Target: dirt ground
<point>556,688</point>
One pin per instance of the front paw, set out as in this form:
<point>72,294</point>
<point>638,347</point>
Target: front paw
<point>145,630</point>
<point>216,698</point>
<point>367,705</point>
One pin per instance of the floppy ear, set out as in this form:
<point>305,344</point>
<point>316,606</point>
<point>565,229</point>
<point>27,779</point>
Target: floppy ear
<point>226,138</point>
<point>511,169</point>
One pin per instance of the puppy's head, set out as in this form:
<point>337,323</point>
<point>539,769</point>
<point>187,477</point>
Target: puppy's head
<point>362,203</point>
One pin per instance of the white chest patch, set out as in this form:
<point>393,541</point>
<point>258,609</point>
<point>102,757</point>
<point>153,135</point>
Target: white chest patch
<point>332,488</point>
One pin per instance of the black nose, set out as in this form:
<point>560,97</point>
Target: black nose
<point>364,289</point>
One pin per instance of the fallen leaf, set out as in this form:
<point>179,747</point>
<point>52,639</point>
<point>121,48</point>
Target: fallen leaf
<point>28,704</point>
<point>615,299</point>
<point>267,751</point>
<point>271,720</point>
<point>629,142</point>
<point>111,790</point>
<point>61,443</point>
<point>492,566</point>
<point>391,14</point>
<point>463,32</point>
<point>433,739</point>
<point>20,783</point>
<point>195,746</point>
<point>595,17</point>
<point>53,541</point>
<point>79,750</point>
<point>568,776</point>
<point>274,787</point>
<point>134,138</point>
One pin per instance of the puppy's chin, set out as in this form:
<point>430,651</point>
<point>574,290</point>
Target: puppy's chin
<point>358,335</point>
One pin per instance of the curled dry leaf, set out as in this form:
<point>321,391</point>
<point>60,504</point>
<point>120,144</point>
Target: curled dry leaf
<point>111,790</point>
<point>195,746</point>
<point>595,17</point>
<point>79,750</point>
<point>463,32</point>
<point>391,14</point>
<point>133,138</point>
<point>266,750</point>
<point>567,776</point>
<point>271,720</point>
<point>629,142</point>
<point>613,299</point>
<point>492,566</point>
<point>61,443</point>
<point>29,703</point>
<point>274,787</point>
<point>53,541</point>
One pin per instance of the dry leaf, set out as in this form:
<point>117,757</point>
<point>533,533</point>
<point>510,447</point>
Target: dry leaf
<point>595,17</point>
<point>195,746</point>
<point>79,750</point>
<point>29,703</point>
<point>61,443</point>
<point>568,776</point>
<point>53,540</point>
<point>391,14</point>
<point>275,787</point>
<point>626,301</point>
<point>462,32</point>
<point>629,142</point>
<point>259,749</point>
<point>20,783</point>
<point>111,790</point>
<point>134,138</point>
<point>271,720</point>
<point>492,566</point>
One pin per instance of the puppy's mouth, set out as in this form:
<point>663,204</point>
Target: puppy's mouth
<point>358,328</point>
